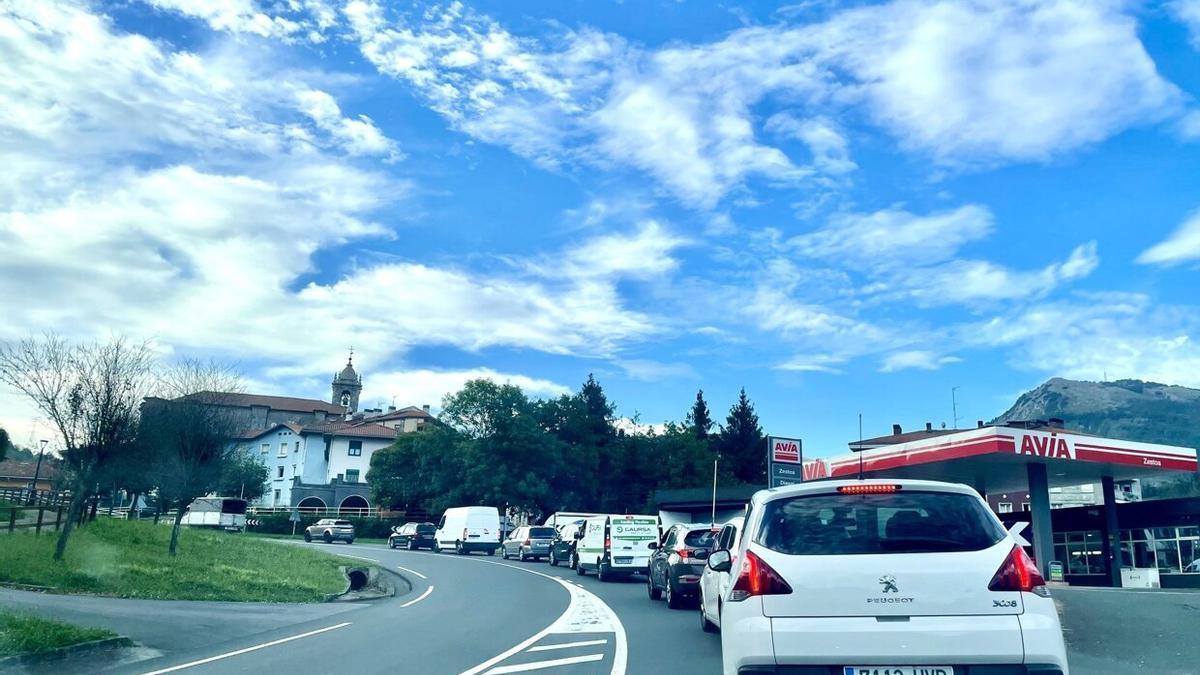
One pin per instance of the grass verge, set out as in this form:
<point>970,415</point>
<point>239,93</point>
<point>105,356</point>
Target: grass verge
<point>23,634</point>
<point>129,560</point>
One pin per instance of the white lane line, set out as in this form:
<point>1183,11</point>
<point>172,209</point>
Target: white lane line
<point>539,665</point>
<point>347,555</point>
<point>411,572</point>
<point>567,645</point>
<point>596,616</point>
<point>247,649</point>
<point>418,598</point>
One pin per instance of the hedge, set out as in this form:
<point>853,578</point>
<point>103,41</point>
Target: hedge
<point>280,523</point>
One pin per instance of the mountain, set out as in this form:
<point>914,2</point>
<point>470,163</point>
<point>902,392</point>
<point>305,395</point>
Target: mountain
<point>1128,409</point>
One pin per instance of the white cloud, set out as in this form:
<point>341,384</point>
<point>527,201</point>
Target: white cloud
<point>428,387</point>
<point>1182,246</point>
<point>247,16</point>
<point>917,358</point>
<point>1189,126</point>
<point>649,370</point>
<point>644,254</point>
<point>1188,13</point>
<point>828,145</point>
<point>358,136</point>
<point>896,236</point>
<point>969,281</point>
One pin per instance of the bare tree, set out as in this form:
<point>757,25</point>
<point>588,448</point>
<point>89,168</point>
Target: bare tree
<point>92,395</point>
<point>190,429</point>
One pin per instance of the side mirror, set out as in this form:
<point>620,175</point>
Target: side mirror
<point>720,561</point>
<point>653,546</point>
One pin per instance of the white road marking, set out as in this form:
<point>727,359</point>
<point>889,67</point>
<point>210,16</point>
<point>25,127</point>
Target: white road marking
<point>411,572</point>
<point>567,645</point>
<point>586,613</point>
<point>418,598</point>
<point>347,555</point>
<point>247,649</point>
<point>539,665</point>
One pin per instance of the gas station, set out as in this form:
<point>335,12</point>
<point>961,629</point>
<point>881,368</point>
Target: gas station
<point>1008,457</point>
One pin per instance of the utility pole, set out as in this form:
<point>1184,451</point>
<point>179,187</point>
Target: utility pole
<point>714,499</point>
<point>954,402</point>
<point>37,472</point>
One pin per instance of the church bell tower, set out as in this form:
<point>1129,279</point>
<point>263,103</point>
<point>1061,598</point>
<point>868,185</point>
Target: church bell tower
<point>347,385</point>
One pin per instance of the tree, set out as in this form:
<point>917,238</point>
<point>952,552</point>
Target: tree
<point>741,443</point>
<point>244,477</point>
<point>5,444</point>
<point>189,431</point>
<point>698,419</point>
<point>423,469</point>
<point>92,396</point>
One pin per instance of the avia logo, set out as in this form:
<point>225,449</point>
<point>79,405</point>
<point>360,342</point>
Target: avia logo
<point>786,451</point>
<point>1047,446</point>
<point>816,469</point>
<point>889,584</point>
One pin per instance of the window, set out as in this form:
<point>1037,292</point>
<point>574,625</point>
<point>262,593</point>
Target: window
<point>266,448</point>
<point>283,449</point>
<point>903,522</point>
<point>700,538</point>
<point>293,471</point>
<point>356,448</point>
<point>1024,506</point>
<point>277,493</point>
<point>279,472</point>
<point>297,447</point>
<point>1004,507</point>
<point>541,532</point>
<point>352,475</point>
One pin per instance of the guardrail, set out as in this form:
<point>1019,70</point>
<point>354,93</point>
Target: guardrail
<point>332,511</point>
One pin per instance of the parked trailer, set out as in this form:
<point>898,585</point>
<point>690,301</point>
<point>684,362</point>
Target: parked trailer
<point>224,513</point>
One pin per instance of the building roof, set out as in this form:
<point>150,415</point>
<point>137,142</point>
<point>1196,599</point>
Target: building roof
<point>354,428</point>
<point>13,468</point>
<point>403,413</point>
<point>288,403</point>
<point>897,436</point>
<point>251,434</point>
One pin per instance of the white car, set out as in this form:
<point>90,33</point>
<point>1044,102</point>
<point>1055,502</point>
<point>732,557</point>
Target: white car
<point>713,583</point>
<point>901,577</point>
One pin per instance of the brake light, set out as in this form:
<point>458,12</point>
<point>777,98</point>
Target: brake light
<point>607,542</point>
<point>1019,573</point>
<point>526,542</point>
<point>868,489</point>
<point>684,553</point>
<point>757,578</point>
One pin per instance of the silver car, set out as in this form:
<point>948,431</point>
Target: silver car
<point>528,542</point>
<point>330,530</point>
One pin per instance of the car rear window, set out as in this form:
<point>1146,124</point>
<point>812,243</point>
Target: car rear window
<point>700,538</point>
<point>342,522</point>
<point>541,532</point>
<point>901,522</point>
<point>426,529</point>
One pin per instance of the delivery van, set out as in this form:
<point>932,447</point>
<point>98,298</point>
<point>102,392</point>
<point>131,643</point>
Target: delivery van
<point>614,545</point>
<point>464,529</point>
<point>223,513</point>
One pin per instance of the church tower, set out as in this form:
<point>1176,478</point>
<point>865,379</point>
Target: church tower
<point>347,385</point>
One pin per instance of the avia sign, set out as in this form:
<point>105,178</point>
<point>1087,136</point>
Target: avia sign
<point>1052,446</point>
<point>785,450</point>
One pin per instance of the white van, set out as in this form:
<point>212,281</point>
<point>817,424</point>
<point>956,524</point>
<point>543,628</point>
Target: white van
<point>616,545</point>
<point>224,513</point>
<point>469,528</point>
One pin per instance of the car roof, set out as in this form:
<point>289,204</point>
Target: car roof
<point>831,486</point>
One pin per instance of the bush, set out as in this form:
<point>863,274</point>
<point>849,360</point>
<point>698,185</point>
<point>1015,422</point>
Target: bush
<point>366,528</point>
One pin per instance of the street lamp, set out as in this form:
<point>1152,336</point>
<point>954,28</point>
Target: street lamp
<point>37,472</point>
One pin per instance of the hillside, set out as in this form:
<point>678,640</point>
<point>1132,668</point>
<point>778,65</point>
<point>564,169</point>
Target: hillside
<point>1127,409</point>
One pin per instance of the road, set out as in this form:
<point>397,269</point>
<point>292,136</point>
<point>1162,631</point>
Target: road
<point>476,615</point>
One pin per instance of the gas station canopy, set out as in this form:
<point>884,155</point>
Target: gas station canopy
<point>997,458</point>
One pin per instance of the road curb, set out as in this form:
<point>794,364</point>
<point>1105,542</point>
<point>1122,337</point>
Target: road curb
<point>83,648</point>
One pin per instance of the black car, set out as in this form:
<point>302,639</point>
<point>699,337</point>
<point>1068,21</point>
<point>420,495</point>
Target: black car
<point>678,561</point>
<point>414,536</point>
<point>562,550</point>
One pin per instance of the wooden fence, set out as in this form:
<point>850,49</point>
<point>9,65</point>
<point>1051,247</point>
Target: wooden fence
<point>36,518</point>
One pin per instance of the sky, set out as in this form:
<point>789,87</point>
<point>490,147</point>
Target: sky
<point>843,207</point>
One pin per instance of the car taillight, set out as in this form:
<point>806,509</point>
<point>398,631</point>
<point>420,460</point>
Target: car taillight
<point>684,553</point>
<point>868,489</point>
<point>607,542</point>
<point>757,578</point>
<point>527,542</point>
<point>1019,573</point>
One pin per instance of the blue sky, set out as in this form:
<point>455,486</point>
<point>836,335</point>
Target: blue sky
<point>843,207</point>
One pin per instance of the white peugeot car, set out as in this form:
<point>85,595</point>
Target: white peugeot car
<point>713,583</point>
<point>874,577</point>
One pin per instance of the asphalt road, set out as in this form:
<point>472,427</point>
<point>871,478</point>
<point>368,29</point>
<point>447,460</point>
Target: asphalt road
<point>476,615</point>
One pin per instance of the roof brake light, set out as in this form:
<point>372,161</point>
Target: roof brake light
<point>868,489</point>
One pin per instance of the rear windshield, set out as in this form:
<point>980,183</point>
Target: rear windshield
<point>541,532</point>
<point>902,522</point>
<point>700,538</point>
<point>426,529</point>
<point>342,522</point>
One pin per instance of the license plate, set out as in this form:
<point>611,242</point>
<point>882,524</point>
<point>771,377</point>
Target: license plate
<point>899,670</point>
<point>624,561</point>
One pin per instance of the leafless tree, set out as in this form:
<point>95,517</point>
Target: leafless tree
<point>190,428</point>
<point>92,395</point>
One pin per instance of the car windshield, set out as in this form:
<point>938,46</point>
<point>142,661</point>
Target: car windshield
<point>541,532</point>
<point>901,522</point>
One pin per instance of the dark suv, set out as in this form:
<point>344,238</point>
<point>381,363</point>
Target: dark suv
<point>562,549</point>
<point>678,561</point>
<point>413,536</point>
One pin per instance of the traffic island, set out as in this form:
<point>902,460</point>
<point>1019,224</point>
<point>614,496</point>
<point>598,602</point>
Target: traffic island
<point>29,640</point>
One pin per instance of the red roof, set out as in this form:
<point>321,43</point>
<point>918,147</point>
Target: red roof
<point>403,413</point>
<point>287,403</point>
<point>12,468</point>
<point>352,428</point>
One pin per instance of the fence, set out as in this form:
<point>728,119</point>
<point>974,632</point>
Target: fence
<point>34,497</point>
<point>328,511</point>
<point>13,518</point>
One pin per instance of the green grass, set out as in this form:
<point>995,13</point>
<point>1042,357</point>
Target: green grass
<point>129,560</point>
<point>22,634</point>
